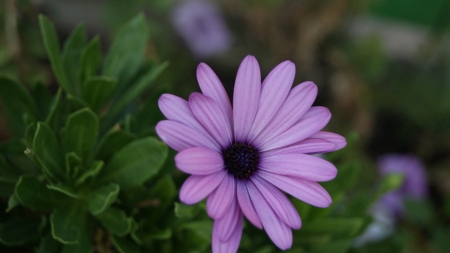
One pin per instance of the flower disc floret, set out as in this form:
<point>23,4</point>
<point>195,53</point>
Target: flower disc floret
<point>241,160</point>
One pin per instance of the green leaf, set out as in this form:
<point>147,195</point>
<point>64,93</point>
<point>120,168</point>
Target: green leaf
<point>64,189</point>
<point>54,119</point>
<point>52,46</point>
<point>34,194</point>
<point>96,91</point>
<point>92,171</point>
<point>348,227</point>
<point>19,230</point>
<point>142,85</point>
<point>49,245</point>
<point>164,191</point>
<point>101,198</point>
<point>338,246</point>
<point>76,103</point>
<point>113,141</point>
<point>17,101</point>
<point>127,50</point>
<point>72,160</point>
<point>84,244</point>
<point>184,211</point>
<point>6,189</point>
<point>82,131</point>
<point>48,151</point>
<point>90,60</point>
<point>135,163</point>
<point>43,99</point>
<point>125,245</point>
<point>388,183</point>
<point>421,212</point>
<point>13,201</point>
<point>71,55</point>
<point>67,223</point>
<point>7,172</point>
<point>116,221</point>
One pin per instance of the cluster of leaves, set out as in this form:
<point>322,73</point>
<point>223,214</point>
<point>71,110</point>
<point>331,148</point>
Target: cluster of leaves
<point>77,169</point>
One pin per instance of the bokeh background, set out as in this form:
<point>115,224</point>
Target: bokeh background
<point>382,67</point>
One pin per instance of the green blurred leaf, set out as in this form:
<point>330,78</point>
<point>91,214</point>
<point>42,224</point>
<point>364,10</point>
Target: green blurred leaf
<point>337,246</point>
<point>52,46</point>
<point>388,183</point>
<point>135,163</point>
<point>141,86</point>
<point>48,151</point>
<point>13,201</point>
<point>127,50</point>
<point>90,60</point>
<point>48,245</point>
<point>34,194</point>
<point>96,91</point>
<point>164,191</point>
<point>82,131</point>
<point>348,227</point>
<point>17,101</point>
<point>184,211</point>
<point>421,212</point>
<point>76,103</point>
<point>71,55</point>
<point>54,119</point>
<point>19,230</point>
<point>43,99</point>
<point>102,197</point>
<point>113,141</point>
<point>64,189</point>
<point>72,160</point>
<point>92,171</point>
<point>125,245</point>
<point>6,189</point>
<point>85,241</point>
<point>7,173</point>
<point>116,221</point>
<point>67,223</point>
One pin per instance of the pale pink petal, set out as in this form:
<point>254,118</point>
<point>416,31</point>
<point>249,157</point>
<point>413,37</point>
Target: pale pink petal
<point>299,165</point>
<point>307,191</point>
<point>247,91</point>
<point>332,137</point>
<point>246,204</point>
<point>180,137</point>
<point>279,233</point>
<point>312,122</point>
<point>199,161</point>
<point>212,87</point>
<point>196,188</point>
<point>280,204</point>
<point>274,91</point>
<point>230,228</point>
<point>308,146</point>
<point>212,118</point>
<point>219,200</point>
<point>297,103</point>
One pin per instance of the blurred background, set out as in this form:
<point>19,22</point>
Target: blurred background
<point>382,67</point>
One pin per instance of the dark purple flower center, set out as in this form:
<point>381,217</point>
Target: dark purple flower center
<point>241,160</point>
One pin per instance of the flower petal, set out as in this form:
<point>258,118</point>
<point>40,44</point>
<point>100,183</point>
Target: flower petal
<point>219,200</point>
<point>280,204</point>
<point>199,161</point>
<point>279,233</point>
<point>179,136</point>
<point>247,91</point>
<point>297,103</point>
<point>312,122</point>
<point>227,232</point>
<point>332,137</point>
<point>274,91</point>
<point>308,146</point>
<point>212,118</point>
<point>307,191</point>
<point>177,109</point>
<point>212,87</point>
<point>299,165</point>
<point>246,204</point>
<point>196,188</point>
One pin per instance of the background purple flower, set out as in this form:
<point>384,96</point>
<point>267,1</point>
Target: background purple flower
<point>415,183</point>
<point>202,27</point>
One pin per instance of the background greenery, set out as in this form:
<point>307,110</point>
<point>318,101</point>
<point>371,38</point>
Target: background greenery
<point>81,169</point>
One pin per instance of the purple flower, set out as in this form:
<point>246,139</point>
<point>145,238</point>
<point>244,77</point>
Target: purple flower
<point>414,185</point>
<point>201,26</point>
<point>243,157</point>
